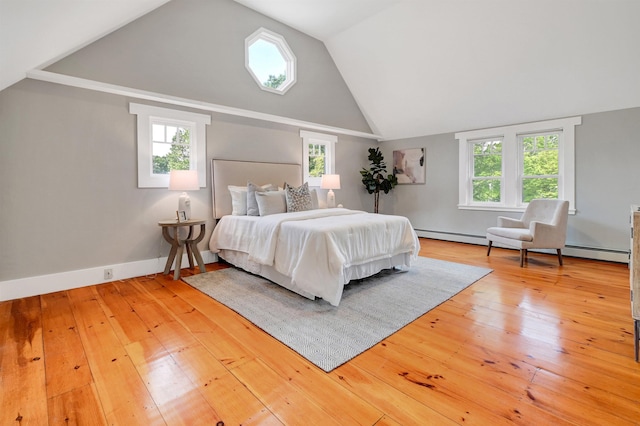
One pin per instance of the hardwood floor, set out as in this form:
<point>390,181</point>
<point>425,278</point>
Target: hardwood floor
<point>537,345</point>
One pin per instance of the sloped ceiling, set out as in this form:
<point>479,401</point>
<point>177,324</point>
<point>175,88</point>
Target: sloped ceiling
<point>415,67</point>
<point>37,32</point>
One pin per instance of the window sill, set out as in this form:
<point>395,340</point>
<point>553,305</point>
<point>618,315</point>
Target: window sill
<point>499,208</point>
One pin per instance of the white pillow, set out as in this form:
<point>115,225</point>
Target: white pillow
<point>271,202</point>
<point>314,199</point>
<point>238,200</point>
<point>252,189</point>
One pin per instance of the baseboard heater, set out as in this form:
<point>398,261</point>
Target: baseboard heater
<point>596,253</point>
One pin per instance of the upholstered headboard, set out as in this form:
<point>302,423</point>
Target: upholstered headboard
<point>233,172</point>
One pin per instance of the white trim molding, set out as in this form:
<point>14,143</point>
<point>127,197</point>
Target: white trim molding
<point>113,89</point>
<point>43,284</point>
<point>595,253</point>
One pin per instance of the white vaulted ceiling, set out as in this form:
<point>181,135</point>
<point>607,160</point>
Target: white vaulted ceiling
<point>37,32</point>
<point>415,67</point>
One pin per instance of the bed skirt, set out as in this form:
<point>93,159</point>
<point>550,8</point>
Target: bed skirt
<point>353,272</point>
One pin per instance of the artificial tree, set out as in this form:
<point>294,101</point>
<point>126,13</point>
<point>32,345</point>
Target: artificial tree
<point>376,179</point>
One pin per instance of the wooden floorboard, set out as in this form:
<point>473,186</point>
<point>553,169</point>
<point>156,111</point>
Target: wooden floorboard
<point>542,344</point>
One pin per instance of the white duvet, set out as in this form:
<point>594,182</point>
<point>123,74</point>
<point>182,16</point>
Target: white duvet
<point>315,247</point>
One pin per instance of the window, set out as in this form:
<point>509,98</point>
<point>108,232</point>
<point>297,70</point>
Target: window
<point>505,168</point>
<point>270,61</point>
<point>486,178</point>
<point>169,140</point>
<point>540,167</point>
<point>171,145</point>
<point>318,156</point>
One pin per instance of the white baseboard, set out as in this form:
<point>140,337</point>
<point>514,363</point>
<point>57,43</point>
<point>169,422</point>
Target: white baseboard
<point>572,251</point>
<point>31,286</point>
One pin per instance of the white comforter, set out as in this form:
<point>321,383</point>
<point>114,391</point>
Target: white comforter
<point>314,247</point>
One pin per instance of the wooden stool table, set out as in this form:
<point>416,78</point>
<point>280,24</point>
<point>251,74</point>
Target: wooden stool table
<point>178,244</point>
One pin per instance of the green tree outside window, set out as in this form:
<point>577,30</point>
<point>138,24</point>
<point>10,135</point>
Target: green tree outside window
<point>540,167</point>
<point>317,156</point>
<point>178,157</point>
<point>487,171</point>
<point>275,82</point>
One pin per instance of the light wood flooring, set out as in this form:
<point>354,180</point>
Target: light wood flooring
<point>539,345</point>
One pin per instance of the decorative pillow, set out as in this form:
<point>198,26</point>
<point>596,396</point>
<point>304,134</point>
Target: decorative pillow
<point>238,200</point>
<point>298,199</point>
<point>252,204</point>
<point>271,202</point>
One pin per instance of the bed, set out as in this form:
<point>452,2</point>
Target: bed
<point>314,252</point>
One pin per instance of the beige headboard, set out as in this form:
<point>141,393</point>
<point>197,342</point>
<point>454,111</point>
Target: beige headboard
<point>233,172</point>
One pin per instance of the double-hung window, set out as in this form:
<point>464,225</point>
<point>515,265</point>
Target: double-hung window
<point>170,145</point>
<point>486,178</point>
<point>540,169</point>
<point>504,168</point>
<point>169,140</point>
<point>318,156</point>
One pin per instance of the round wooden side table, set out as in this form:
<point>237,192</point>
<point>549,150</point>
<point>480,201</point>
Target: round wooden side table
<point>178,244</point>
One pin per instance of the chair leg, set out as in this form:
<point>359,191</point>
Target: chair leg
<point>523,253</point>
<point>489,249</point>
<point>560,256</point>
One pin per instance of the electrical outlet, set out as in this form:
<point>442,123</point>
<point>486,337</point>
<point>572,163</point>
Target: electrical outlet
<point>108,274</point>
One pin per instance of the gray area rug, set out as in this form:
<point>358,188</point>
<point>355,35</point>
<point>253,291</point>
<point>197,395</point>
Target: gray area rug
<point>370,309</point>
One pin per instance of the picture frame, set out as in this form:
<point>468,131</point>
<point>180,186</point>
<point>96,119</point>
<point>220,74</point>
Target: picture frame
<point>409,166</point>
<point>182,215</point>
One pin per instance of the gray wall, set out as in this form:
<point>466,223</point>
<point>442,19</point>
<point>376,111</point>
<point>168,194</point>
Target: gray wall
<point>68,158</point>
<point>607,182</point>
<point>68,168</point>
<point>195,49</point>
<point>69,199</point>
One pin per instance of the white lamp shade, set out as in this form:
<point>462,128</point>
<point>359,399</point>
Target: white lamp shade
<point>183,180</point>
<point>330,182</point>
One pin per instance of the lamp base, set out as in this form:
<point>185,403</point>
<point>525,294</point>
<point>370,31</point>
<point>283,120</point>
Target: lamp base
<point>331,199</point>
<point>184,204</point>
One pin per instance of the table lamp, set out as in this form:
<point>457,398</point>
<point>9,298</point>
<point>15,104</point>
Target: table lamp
<point>330,182</point>
<point>184,180</point>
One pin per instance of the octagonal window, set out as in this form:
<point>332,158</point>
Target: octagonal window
<point>270,61</point>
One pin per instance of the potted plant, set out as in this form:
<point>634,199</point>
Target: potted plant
<point>376,179</point>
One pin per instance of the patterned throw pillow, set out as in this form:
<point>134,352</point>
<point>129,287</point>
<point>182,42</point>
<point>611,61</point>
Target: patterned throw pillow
<point>298,199</point>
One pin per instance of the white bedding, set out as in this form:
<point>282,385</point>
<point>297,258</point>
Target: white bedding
<point>315,248</point>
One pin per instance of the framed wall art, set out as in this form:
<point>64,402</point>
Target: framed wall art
<point>409,166</point>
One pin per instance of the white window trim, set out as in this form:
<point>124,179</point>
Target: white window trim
<point>198,140</point>
<point>510,163</point>
<point>286,52</point>
<point>329,141</point>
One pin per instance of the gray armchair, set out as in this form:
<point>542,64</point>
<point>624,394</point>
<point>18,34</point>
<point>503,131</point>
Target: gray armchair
<point>542,226</point>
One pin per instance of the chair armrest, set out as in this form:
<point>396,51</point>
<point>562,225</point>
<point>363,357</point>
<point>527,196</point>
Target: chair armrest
<point>551,236</point>
<point>507,222</point>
